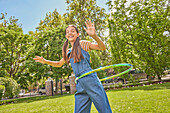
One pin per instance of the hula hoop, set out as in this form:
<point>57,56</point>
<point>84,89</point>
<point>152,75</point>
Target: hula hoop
<point>107,67</point>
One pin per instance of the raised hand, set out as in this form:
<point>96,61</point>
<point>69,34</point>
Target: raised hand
<point>90,28</point>
<point>39,59</point>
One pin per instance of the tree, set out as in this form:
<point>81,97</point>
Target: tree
<point>82,10</point>
<point>78,12</point>
<point>49,39</point>
<point>52,20</point>
<point>137,34</point>
<point>49,45</point>
<point>14,47</point>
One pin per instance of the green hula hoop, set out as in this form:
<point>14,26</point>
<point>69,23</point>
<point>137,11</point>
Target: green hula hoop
<point>107,67</point>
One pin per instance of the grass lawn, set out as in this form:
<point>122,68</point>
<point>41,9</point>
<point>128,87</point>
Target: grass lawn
<point>143,99</point>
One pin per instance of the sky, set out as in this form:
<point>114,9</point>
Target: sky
<point>30,12</point>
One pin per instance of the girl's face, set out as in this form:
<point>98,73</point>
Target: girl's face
<point>71,34</point>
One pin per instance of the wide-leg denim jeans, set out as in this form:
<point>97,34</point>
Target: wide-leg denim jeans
<point>90,89</point>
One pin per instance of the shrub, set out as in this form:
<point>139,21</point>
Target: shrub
<point>133,80</point>
<point>2,88</point>
<point>8,101</point>
<point>11,87</point>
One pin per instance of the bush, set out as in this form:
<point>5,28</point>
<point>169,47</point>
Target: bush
<point>2,88</point>
<point>8,101</point>
<point>118,85</point>
<point>11,87</point>
<point>133,80</point>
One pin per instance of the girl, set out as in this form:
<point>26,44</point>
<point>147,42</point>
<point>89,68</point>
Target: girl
<point>89,88</point>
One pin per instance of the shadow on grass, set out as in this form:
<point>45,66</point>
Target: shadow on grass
<point>33,99</point>
<point>40,98</point>
<point>146,87</point>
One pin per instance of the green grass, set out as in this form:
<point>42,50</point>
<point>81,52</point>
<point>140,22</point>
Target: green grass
<point>143,99</point>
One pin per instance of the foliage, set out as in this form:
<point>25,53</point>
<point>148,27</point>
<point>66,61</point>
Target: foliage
<point>2,89</point>
<point>132,79</point>
<point>52,20</point>
<point>18,49</point>
<point>48,43</point>
<point>15,47</point>
<point>122,100</point>
<point>11,87</point>
<point>137,34</point>
<point>78,12</point>
<point>2,102</point>
<point>82,10</point>
<point>118,85</point>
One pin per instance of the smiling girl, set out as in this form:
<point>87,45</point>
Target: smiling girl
<point>89,88</point>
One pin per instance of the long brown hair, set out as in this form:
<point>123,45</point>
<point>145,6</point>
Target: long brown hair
<point>76,51</point>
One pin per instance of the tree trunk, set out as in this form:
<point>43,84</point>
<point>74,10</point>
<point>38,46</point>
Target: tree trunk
<point>56,85</point>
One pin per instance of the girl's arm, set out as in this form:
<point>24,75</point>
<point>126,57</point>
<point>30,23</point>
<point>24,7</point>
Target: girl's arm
<point>91,32</point>
<point>99,46</point>
<point>52,63</point>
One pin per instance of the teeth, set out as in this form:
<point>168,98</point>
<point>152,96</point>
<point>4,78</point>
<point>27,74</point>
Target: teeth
<point>70,36</point>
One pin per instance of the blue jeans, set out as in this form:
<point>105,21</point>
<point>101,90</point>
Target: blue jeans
<point>90,89</point>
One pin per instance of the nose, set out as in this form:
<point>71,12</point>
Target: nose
<point>68,33</point>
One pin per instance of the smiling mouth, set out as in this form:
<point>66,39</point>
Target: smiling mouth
<point>70,36</point>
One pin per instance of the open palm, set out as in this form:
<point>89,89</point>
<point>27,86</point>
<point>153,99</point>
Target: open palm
<point>90,29</point>
<point>39,59</point>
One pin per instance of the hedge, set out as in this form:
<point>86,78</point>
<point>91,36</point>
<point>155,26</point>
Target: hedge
<point>11,87</point>
<point>2,88</point>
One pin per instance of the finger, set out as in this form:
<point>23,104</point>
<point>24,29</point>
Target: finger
<point>35,58</point>
<point>85,29</point>
<point>42,57</point>
<point>38,61</point>
<point>90,23</point>
<point>86,24</point>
